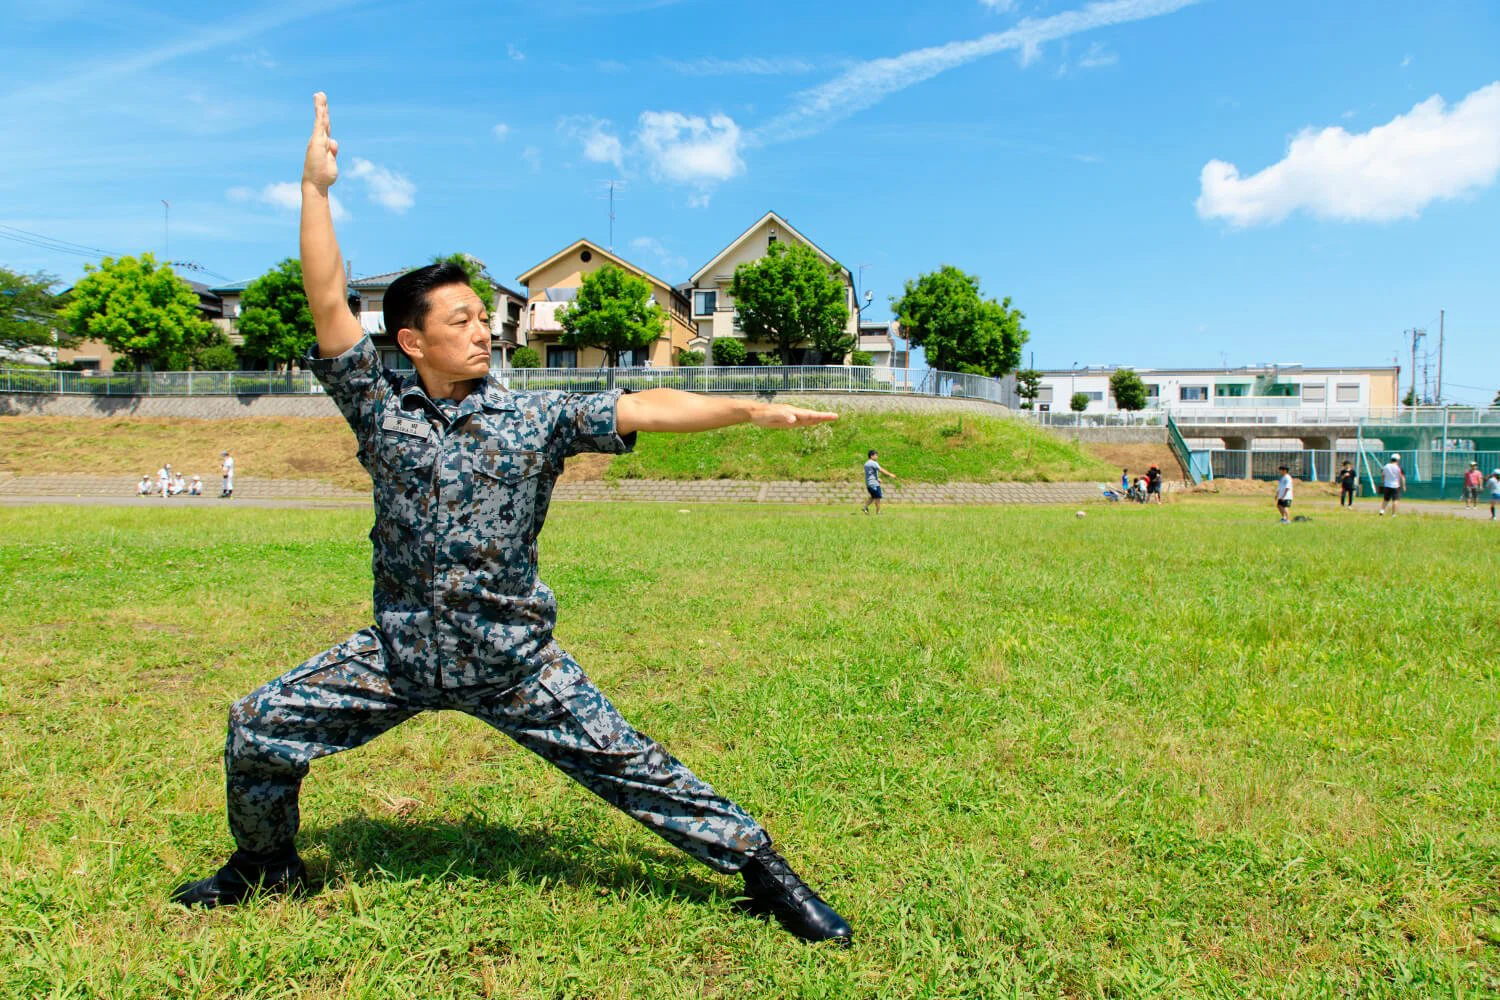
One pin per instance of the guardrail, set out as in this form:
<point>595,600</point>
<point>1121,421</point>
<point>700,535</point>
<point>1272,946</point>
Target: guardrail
<point>1430,416</point>
<point>746,379</point>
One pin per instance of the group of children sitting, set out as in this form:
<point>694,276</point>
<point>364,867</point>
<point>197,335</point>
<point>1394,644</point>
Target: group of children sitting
<point>169,484</point>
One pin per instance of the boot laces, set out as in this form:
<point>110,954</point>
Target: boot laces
<point>781,874</point>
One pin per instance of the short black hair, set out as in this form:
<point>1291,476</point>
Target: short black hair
<point>1282,468</point>
<point>871,454</point>
<point>406,298</point>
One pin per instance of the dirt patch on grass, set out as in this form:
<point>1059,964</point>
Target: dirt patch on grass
<point>585,468</point>
<point>1139,457</point>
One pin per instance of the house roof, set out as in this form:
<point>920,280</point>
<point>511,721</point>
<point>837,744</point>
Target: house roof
<point>698,274</point>
<point>380,282</point>
<point>526,276</point>
<point>233,286</point>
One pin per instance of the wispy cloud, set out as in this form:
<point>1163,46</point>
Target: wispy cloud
<point>515,54</point>
<point>285,195</point>
<point>662,258</point>
<point>871,82</point>
<point>600,145</point>
<point>1405,61</point>
<point>1098,56</point>
<point>1392,171</point>
<point>383,186</point>
<point>533,158</point>
<point>258,59</point>
<point>501,131</point>
<point>747,66</point>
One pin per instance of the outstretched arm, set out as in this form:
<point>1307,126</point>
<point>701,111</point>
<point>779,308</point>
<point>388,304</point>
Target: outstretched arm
<point>322,264</point>
<point>887,472</point>
<point>682,412</point>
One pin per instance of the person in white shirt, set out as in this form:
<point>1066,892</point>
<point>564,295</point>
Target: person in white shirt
<point>1284,495</point>
<point>164,481</point>
<point>1392,482</point>
<point>195,488</point>
<point>143,488</point>
<point>228,490</point>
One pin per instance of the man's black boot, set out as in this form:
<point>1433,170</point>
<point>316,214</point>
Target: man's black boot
<point>772,888</point>
<point>244,875</point>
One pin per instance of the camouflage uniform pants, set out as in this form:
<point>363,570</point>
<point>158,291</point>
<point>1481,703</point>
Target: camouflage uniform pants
<point>346,697</point>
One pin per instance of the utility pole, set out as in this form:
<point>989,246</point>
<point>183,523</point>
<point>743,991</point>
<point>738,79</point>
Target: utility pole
<point>1439,399</point>
<point>1416,338</point>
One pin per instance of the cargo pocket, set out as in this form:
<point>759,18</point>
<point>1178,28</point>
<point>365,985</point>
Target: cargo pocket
<point>362,645</point>
<point>566,681</point>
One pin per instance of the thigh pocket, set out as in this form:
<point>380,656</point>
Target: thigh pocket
<point>362,645</point>
<point>566,681</point>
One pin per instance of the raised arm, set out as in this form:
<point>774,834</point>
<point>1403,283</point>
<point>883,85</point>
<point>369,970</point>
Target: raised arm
<point>322,264</point>
<point>684,412</point>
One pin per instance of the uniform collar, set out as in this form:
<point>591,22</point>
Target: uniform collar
<point>489,395</point>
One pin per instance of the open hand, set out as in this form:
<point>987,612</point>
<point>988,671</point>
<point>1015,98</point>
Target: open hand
<point>778,415</point>
<point>321,168</point>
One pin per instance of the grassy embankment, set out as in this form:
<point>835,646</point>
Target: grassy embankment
<point>1154,752</point>
<point>919,447</point>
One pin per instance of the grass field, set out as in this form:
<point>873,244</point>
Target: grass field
<point>1168,752</point>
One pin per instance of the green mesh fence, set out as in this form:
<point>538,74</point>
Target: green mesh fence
<point>1434,455</point>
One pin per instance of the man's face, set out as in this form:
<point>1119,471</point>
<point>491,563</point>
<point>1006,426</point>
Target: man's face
<point>453,344</point>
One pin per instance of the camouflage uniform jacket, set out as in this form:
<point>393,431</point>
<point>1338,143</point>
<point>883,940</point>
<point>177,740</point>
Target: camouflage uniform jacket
<point>458,506</point>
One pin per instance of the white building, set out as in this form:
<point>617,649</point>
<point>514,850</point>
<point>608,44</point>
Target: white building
<point>1342,392</point>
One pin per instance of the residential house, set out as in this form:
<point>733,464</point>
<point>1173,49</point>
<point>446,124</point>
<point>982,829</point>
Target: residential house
<point>714,314</point>
<point>1351,391</point>
<point>554,283</point>
<point>877,339</point>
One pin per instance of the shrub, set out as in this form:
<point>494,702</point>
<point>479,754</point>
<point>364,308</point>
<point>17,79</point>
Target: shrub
<point>526,357</point>
<point>217,358</point>
<point>861,359</point>
<point>728,352</point>
<point>1079,402</point>
<point>689,359</point>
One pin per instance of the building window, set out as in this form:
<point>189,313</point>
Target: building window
<point>704,303</point>
<point>1193,393</point>
<point>1153,390</point>
<point>1095,396</point>
<point>395,360</point>
<point>586,256</point>
<point>1314,393</point>
<point>1284,389</point>
<point>1348,392</point>
<point>1231,389</point>
<point>1044,394</point>
<point>562,357</point>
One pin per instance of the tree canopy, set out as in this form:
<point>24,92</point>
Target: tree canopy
<point>140,309</point>
<point>1079,402</point>
<point>791,297</point>
<point>1128,389</point>
<point>275,319</point>
<point>613,311</point>
<point>29,311</point>
<point>960,331</point>
<point>478,279</point>
<point>1028,387</point>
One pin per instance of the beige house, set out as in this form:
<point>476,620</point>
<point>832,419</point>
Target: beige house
<point>554,283</point>
<point>714,315</point>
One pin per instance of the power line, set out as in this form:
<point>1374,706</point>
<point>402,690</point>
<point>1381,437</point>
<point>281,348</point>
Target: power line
<point>52,242</point>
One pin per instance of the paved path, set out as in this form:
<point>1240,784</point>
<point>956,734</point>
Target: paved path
<point>16,489</point>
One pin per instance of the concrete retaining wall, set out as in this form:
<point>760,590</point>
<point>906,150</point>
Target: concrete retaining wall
<point>1113,435</point>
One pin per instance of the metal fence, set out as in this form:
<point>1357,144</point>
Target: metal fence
<point>1302,414</point>
<point>756,379</point>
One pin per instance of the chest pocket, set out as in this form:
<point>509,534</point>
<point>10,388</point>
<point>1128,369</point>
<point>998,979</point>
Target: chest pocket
<point>505,484</point>
<point>404,458</point>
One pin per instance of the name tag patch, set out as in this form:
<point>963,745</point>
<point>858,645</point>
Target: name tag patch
<point>406,425</point>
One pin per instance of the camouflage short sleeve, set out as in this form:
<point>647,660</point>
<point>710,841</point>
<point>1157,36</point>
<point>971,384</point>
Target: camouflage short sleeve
<point>357,383</point>
<point>586,422</point>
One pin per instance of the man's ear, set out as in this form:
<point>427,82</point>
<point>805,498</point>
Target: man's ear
<point>407,340</point>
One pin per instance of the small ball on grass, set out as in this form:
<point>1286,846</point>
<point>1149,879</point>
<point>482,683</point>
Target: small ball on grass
<point>1079,514</point>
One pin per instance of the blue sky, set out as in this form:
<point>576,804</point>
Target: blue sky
<point>1134,174</point>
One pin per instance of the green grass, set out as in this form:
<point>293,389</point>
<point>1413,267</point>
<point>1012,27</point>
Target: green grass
<point>1168,752</point>
<point>918,447</point>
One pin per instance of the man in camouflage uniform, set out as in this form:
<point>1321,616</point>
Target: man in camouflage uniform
<point>463,473</point>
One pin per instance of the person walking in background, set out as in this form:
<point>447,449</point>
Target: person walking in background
<point>164,481</point>
<point>1494,484</point>
<point>1472,479</point>
<point>873,469</point>
<point>228,471</point>
<point>1392,482</point>
<point>1284,494</point>
<point>1348,481</point>
<point>1153,484</point>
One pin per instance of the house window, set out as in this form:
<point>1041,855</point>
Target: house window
<point>1095,396</point>
<point>632,359</point>
<point>395,360</point>
<point>1153,390</point>
<point>562,357</point>
<point>704,303</point>
<point>1284,389</point>
<point>1348,392</point>
<point>1231,389</point>
<point>1044,394</point>
<point>1314,393</point>
<point>1193,393</point>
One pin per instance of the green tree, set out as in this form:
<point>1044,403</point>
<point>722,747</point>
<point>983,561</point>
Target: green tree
<point>274,316</point>
<point>613,312</point>
<point>861,359</point>
<point>1410,399</point>
<point>1128,389</point>
<point>28,311</point>
<point>217,356</point>
<point>1028,387</point>
<point>729,352</point>
<point>1079,402</point>
<point>1496,400</point>
<point>139,309</point>
<point>790,297</point>
<point>478,279</point>
<point>689,359</point>
<point>960,331</point>
<point>526,357</point>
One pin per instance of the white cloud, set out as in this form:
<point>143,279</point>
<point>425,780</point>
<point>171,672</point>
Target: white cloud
<point>260,59</point>
<point>871,82</point>
<point>748,66</point>
<point>285,195</point>
<point>600,145</point>
<point>663,258</point>
<point>533,158</point>
<point>1097,57</point>
<point>1392,171</point>
<point>1405,61</point>
<point>688,149</point>
<point>1001,5</point>
<point>383,186</point>
<point>515,54</point>
<point>502,131</point>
